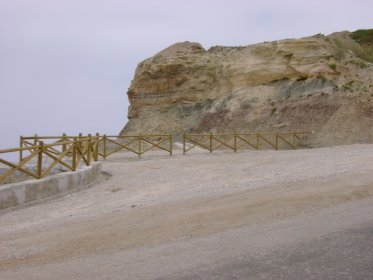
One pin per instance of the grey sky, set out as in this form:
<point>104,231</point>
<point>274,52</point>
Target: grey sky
<point>65,66</point>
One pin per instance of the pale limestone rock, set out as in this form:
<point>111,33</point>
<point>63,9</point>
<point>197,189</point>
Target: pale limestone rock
<point>186,88</point>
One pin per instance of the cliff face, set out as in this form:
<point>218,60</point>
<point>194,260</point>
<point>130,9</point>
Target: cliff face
<point>319,83</point>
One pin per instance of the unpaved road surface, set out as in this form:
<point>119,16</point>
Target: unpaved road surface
<point>305,214</point>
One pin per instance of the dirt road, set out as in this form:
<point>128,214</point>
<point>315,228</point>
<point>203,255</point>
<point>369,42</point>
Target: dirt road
<point>303,214</point>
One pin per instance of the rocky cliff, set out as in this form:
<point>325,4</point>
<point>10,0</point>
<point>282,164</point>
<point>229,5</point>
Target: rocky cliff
<point>318,83</point>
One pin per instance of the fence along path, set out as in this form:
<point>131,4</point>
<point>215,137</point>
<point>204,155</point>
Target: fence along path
<point>72,151</point>
<point>137,144</point>
<point>39,154</point>
<point>236,141</point>
<point>69,152</point>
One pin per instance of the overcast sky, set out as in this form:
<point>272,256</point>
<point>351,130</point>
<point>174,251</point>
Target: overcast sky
<point>65,65</point>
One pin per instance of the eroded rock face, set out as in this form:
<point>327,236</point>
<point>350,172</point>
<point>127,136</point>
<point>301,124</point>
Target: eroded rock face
<point>307,84</point>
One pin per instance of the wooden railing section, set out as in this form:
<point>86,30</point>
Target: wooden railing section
<point>64,151</point>
<point>236,141</point>
<point>72,151</point>
<point>137,144</point>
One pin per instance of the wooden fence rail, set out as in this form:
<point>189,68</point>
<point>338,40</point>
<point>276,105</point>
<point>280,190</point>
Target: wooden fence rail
<point>137,144</point>
<point>108,144</point>
<point>236,141</point>
<point>70,151</point>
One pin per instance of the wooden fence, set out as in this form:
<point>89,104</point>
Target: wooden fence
<point>137,144</point>
<point>43,153</point>
<point>66,152</point>
<point>109,144</point>
<point>236,141</point>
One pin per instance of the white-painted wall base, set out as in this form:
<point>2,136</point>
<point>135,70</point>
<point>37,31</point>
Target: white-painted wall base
<point>34,190</point>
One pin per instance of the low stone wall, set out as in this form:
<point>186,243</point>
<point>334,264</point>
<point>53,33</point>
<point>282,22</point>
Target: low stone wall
<point>34,190</point>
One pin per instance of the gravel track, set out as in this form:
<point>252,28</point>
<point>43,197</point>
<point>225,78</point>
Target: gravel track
<point>302,214</point>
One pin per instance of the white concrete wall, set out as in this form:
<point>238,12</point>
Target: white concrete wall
<point>33,190</point>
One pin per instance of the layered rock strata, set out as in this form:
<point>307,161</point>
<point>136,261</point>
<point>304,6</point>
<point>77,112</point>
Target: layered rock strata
<point>318,83</point>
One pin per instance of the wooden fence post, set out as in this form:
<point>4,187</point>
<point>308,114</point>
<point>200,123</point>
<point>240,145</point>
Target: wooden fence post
<point>139,146</point>
<point>257,141</point>
<point>63,140</point>
<point>20,151</point>
<point>210,142</point>
<point>276,140</point>
<point>89,147</point>
<point>171,144</point>
<point>183,143</point>
<point>104,147</point>
<point>74,159</point>
<point>40,159</point>
<point>96,146</point>
<point>235,141</point>
<point>80,142</point>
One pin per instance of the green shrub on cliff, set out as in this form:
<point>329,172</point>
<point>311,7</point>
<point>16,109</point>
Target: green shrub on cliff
<point>364,37</point>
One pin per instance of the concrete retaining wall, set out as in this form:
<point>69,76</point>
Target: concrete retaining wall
<point>34,190</point>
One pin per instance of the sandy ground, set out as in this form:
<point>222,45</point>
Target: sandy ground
<point>304,214</point>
